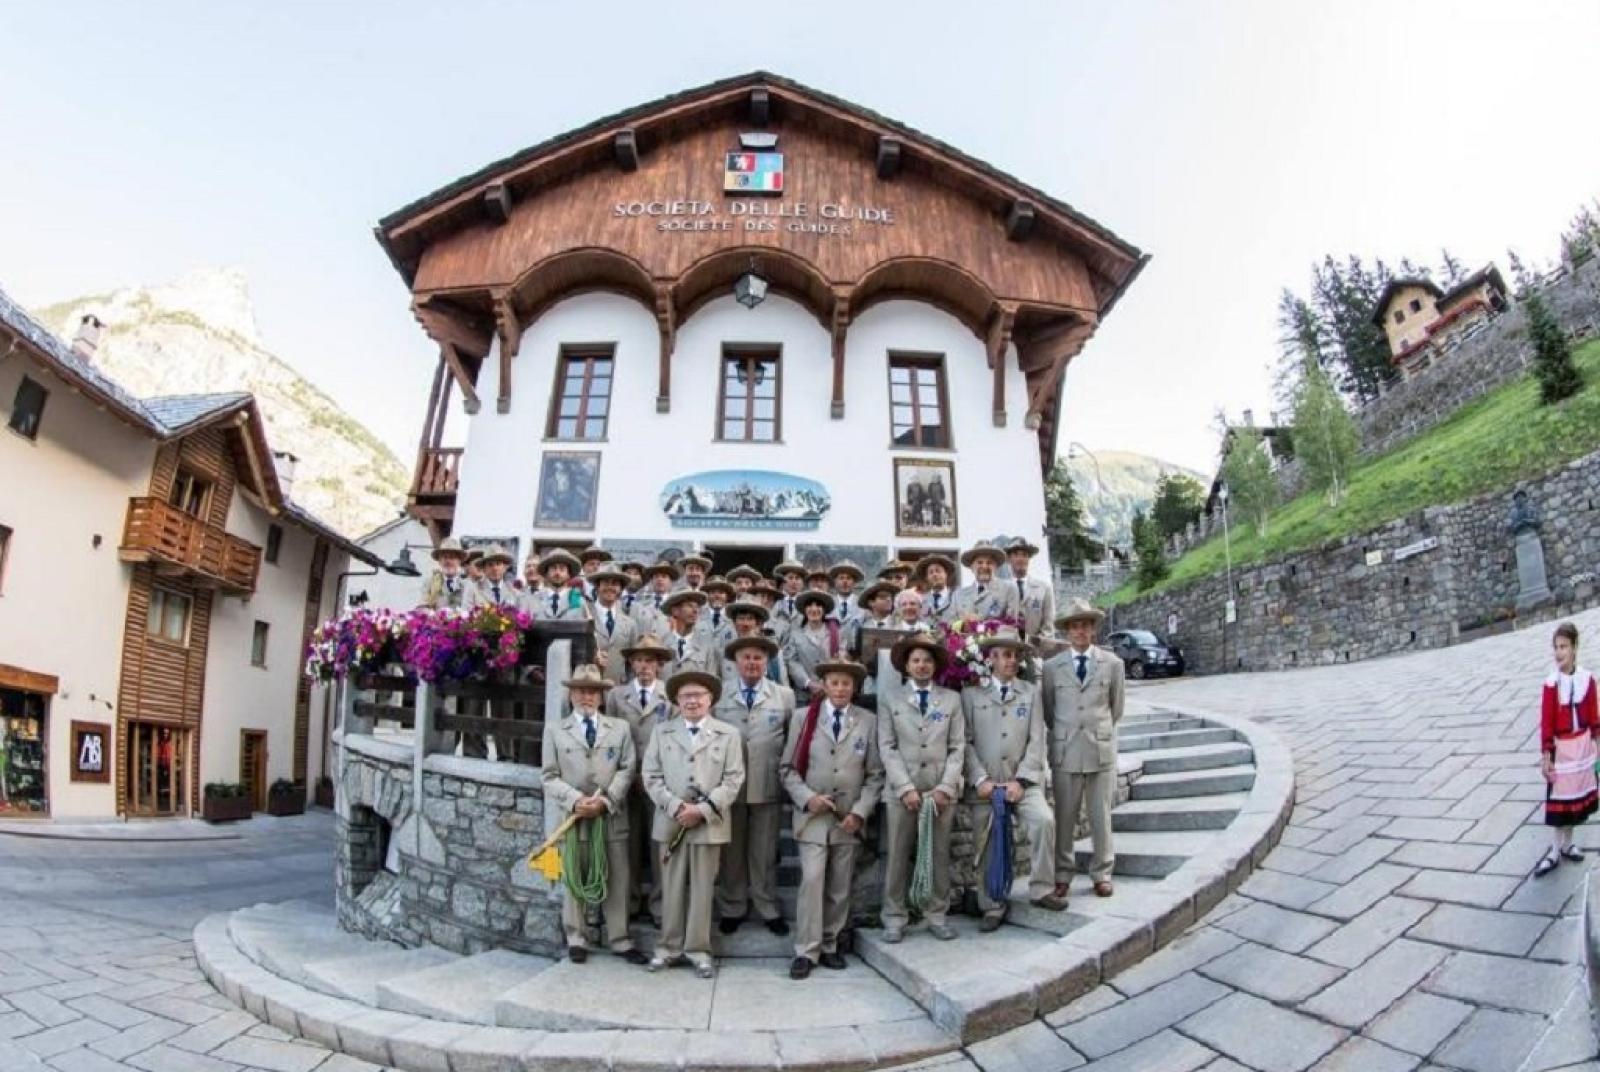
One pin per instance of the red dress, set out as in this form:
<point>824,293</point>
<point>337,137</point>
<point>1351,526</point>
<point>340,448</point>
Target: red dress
<point>1569,715</point>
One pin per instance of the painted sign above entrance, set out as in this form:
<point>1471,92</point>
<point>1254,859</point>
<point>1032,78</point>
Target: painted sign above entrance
<point>744,499</point>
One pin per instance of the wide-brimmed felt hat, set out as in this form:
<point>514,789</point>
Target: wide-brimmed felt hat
<point>595,553</point>
<point>744,571</point>
<point>1007,638</point>
<point>695,557</point>
<point>495,553</point>
<point>449,546</point>
<point>1080,609</point>
<point>983,549</point>
<point>744,606</point>
<point>804,599</point>
<point>766,588</point>
<point>818,575</point>
<point>882,588</point>
<point>1022,543</point>
<point>684,595</point>
<point>921,569</point>
<point>840,665</point>
<point>663,566</point>
<point>754,640</point>
<point>694,677</point>
<point>846,566</point>
<point>788,565</point>
<point>631,564</point>
<point>894,565</point>
<point>913,641</point>
<point>474,554</point>
<point>559,555</point>
<point>588,676</point>
<point>605,573</point>
<point>649,644</point>
<point>719,584</point>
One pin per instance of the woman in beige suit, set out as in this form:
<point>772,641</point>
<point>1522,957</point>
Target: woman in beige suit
<point>817,640</point>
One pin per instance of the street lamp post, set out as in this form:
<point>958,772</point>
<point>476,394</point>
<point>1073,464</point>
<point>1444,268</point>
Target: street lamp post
<point>1075,446</point>
<point>1229,610</point>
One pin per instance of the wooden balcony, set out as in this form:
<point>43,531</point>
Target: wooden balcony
<point>433,491</point>
<point>176,541</point>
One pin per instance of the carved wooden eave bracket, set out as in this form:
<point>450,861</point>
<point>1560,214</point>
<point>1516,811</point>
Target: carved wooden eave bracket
<point>460,342</point>
<point>509,333</point>
<point>997,343</point>
<point>839,328</point>
<point>1044,355</point>
<point>667,326</point>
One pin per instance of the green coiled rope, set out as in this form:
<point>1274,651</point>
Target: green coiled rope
<point>920,894</point>
<point>587,884</point>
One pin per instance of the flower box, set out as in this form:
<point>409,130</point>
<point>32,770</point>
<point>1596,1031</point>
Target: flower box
<point>324,794</point>
<point>286,798</point>
<point>225,809</point>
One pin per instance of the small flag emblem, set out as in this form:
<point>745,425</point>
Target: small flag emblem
<point>753,173</point>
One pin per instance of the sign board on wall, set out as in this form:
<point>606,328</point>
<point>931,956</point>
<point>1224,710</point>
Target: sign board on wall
<point>744,499</point>
<point>91,751</point>
<point>1427,543</point>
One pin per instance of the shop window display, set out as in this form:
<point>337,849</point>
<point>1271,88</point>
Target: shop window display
<point>22,771</point>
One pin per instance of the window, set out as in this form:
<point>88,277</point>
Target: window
<point>28,408</point>
<point>189,493</point>
<point>5,551</point>
<point>169,615</point>
<point>582,399</point>
<point>1416,305</point>
<point>258,644</point>
<point>917,401</point>
<point>1399,316</point>
<point>748,404</point>
<point>274,543</point>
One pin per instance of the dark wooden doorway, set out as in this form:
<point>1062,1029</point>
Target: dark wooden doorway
<point>158,760</point>
<point>727,556</point>
<point>253,767</point>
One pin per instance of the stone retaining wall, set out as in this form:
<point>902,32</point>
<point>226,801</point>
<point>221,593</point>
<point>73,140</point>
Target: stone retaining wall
<point>1354,598</point>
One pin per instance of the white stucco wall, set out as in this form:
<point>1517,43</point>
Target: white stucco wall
<point>998,484</point>
<point>63,600</point>
<point>385,589</point>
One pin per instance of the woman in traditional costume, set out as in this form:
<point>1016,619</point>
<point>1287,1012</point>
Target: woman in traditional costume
<point>1569,721</point>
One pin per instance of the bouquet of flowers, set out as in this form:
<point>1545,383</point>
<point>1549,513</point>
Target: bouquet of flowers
<point>962,639</point>
<point>361,642</point>
<point>459,645</point>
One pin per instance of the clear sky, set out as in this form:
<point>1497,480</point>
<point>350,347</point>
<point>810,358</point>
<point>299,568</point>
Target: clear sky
<point>1236,142</point>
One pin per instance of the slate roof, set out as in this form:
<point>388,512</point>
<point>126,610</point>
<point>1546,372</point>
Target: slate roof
<point>177,412</point>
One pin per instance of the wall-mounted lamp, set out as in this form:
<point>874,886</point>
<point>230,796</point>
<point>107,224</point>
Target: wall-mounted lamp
<point>751,289</point>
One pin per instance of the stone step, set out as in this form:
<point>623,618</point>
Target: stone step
<point>464,990</point>
<point>357,977</point>
<point>1161,724</point>
<point>1185,738</point>
<point>1147,855</point>
<point>1177,813</point>
<point>752,941</point>
<point>283,946</point>
<point>606,992</point>
<point>1083,906</point>
<point>1196,758</point>
<point>1193,783</point>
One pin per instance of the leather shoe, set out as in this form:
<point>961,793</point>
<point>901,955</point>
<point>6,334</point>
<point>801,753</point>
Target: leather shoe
<point>577,954</point>
<point>1050,903</point>
<point>893,935</point>
<point>1062,889</point>
<point>991,923</point>
<point>635,956</point>
<point>834,962</point>
<point>778,926</point>
<point>800,967</point>
<point>729,924</point>
<point>942,931</point>
<point>1102,888</point>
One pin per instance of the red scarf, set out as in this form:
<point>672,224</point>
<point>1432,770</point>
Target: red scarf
<point>802,745</point>
<point>833,637</point>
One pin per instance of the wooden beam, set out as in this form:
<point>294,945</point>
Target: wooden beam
<point>1019,221</point>
<point>760,106</point>
<point>469,394</point>
<point>497,202</point>
<point>446,325</point>
<point>15,677</point>
<point>841,325</point>
<point>889,152</point>
<point>430,423</point>
<point>510,335</point>
<point>998,342</point>
<point>626,148</point>
<point>667,326</point>
<point>437,436</point>
<point>1058,349</point>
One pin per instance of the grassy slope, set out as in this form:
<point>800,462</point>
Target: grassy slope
<point>1500,438</point>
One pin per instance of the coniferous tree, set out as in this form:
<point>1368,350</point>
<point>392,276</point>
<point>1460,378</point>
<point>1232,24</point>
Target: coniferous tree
<point>1344,297</point>
<point>1151,567</point>
<point>1453,272</point>
<point>1070,543</point>
<point>1178,502</point>
<point>1558,377</point>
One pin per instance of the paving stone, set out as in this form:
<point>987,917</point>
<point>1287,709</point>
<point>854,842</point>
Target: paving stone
<point>64,1037</point>
<point>1030,1048</point>
<point>203,1038</point>
<point>267,1054</point>
<point>1358,941</point>
<point>1270,925</point>
<point>1438,856</point>
<point>1363,1055</point>
<point>1510,933</point>
<point>1419,1022</point>
<point>48,1011</point>
<point>1484,891</point>
<point>1261,1035</point>
<point>1427,829</point>
<point>14,1024</point>
<point>1268,973</point>
<point>1101,997</point>
<point>1140,1017</point>
<point>1504,982</point>
<point>1164,1052</point>
<point>758,995</point>
<point>1493,1041</point>
<point>1562,941</point>
<point>107,1011</point>
<point>1363,891</point>
<point>1185,953</point>
<point>1501,822</point>
<point>167,1059</point>
<point>1287,891</point>
<point>1572,1037</point>
<point>84,1060</point>
<point>1550,894</point>
<point>1377,984</point>
<point>1354,860</point>
<point>1346,834</point>
<point>140,1037</point>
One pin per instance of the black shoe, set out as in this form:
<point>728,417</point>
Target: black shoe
<point>729,924</point>
<point>777,926</point>
<point>847,940</point>
<point>635,956</point>
<point>577,954</point>
<point>834,962</point>
<point>800,967</point>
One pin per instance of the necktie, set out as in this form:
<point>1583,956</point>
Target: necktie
<point>450,585</point>
<point>788,604</point>
<point>922,700</point>
<point>1020,590</point>
<point>611,622</point>
<point>694,731</point>
<point>588,731</point>
<point>749,697</point>
<point>980,589</point>
<point>1083,668</point>
<point>1005,693</point>
<point>680,649</point>
<point>495,588</point>
<point>936,596</point>
<point>838,723</point>
<point>716,618</point>
<point>555,604</point>
<point>644,698</point>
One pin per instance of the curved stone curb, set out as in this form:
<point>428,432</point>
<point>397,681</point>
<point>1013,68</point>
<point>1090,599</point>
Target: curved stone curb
<point>420,1044</point>
<point>994,1000</point>
<point>1591,944</point>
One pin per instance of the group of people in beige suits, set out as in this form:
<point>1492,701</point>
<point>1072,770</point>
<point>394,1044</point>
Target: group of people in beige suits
<point>713,703</point>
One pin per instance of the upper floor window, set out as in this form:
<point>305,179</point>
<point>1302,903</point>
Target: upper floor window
<point>28,408</point>
<point>918,404</point>
<point>749,401</point>
<point>258,644</point>
<point>582,400</point>
<point>189,493</point>
<point>274,543</point>
<point>169,615</point>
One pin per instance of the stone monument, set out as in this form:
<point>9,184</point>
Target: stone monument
<point>1524,523</point>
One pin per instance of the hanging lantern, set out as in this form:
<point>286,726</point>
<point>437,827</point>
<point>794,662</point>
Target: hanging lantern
<point>751,289</point>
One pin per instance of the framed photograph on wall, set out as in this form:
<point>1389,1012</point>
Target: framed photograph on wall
<point>569,487</point>
<point>924,498</point>
<point>91,751</point>
<point>512,545</point>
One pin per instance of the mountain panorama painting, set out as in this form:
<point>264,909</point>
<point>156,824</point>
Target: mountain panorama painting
<point>744,499</point>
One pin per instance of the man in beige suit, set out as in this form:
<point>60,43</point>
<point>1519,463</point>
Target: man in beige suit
<point>559,601</point>
<point>495,588</point>
<point>834,777</point>
<point>614,630</point>
<point>693,770</point>
<point>589,763</point>
<point>923,740</point>
<point>641,701</point>
<point>987,596</point>
<point>659,577</point>
<point>1083,694</point>
<point>1035,597</point>
<point>1006,750</point>
<point>760,710</point>
<point>688,646</point>
<point>448,586</point>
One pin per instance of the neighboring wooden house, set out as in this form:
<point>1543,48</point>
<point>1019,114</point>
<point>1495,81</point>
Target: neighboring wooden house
<point>1419,318</point>
<point>157,590</point>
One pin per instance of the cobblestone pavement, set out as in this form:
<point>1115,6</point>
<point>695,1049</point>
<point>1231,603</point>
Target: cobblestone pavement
<point>1395,927</point>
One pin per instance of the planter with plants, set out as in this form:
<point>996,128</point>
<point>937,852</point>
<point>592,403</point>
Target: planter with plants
<point>286,798</point>
<point>224,802</point>
<point>324,793</point>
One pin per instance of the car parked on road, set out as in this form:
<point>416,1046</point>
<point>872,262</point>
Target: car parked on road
<point>1145,654</point>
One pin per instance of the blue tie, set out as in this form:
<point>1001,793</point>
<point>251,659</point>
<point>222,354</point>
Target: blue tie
<point>749,697</point>
<point>554,604</point>
<point>588,731</point>
<point>922,700</point>
<point>838,723</point>
<point>1083,668</point>
<point>611,622</point>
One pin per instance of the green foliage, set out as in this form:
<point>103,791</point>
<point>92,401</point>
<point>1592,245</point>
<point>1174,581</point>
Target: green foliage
<point>1558,377</point>
<point>1325,435</point>
<point>1344,297</point>
<point>1489,444</point>
<point>1151,568</point>
<point>1453,272</point>
<point>1070,544</point>
<point>1247,474</point>
<point>224,790</point>
<point>1178,502</point>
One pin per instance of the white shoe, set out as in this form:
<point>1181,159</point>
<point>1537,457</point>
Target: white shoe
<point>705,970</point>
<point>656,964</point>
